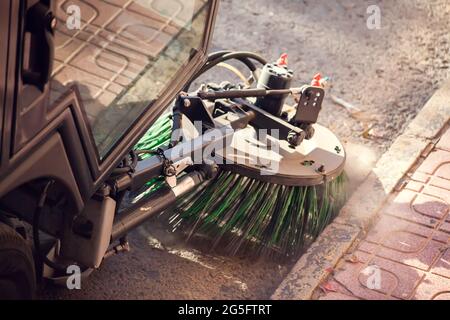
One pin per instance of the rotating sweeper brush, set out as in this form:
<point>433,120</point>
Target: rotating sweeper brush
<point>276,176</point>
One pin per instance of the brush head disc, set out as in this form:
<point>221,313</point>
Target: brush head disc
<point>263,157</point>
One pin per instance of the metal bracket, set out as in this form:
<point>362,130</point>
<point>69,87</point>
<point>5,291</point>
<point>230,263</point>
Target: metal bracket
<point>309,105</point>
<point>194,108</point>
<point>266,120</point>
<point>179,167</point>
<point>154,166</point>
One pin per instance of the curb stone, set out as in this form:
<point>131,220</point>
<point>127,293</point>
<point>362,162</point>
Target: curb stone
<point>362,207</point>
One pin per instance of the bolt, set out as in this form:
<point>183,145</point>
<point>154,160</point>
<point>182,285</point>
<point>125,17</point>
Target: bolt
<point>338,150</point>
<point>308,163</point>
<point>170,171</point>
<point>295,138</point>
<point>53,23</point>
<point>321,169</point>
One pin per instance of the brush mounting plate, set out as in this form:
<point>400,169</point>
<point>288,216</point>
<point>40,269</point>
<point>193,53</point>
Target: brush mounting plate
<point>309,105</point>
<point>266,158</point>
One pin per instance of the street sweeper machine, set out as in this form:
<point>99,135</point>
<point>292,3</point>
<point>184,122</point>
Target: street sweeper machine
<point>106,123</point>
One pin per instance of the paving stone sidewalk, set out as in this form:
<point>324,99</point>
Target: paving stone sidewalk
<point>406,253</point>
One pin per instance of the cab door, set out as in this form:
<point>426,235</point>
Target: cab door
<point>4,31</point>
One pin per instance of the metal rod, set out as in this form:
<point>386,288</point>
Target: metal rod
<point>244,93</point>
<point>159,201</point>
<point>152,167</point>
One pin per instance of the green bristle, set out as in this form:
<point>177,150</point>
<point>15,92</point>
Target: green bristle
<point>158,135</point>
<point>237,212</point>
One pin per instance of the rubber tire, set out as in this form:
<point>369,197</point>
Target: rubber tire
<point>17,272</point>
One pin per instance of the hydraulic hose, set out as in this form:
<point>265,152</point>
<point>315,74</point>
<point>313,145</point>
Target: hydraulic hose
<point>242,56</point>
<point>36,239</point>
<point>221,56</point>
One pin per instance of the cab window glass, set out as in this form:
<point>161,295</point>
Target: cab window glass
<point>121,54</point>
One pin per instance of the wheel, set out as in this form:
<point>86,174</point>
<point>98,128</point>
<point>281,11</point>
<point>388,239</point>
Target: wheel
<point>17,273</point>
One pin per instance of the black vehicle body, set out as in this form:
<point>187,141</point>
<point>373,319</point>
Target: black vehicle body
<point>43,140</point>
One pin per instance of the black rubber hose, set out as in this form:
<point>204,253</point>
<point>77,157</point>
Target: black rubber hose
<point>36,240</point>
<point>242,56</point>
<point>238,54</point>
<point>217,54</point>
<point>222,56</point>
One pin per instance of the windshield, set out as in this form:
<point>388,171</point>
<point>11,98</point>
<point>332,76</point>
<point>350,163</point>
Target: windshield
<point>121,55</point>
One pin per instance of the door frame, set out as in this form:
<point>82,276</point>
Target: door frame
<point>7,74</point>
<point>4,40</point>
